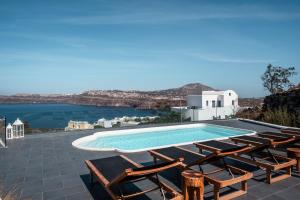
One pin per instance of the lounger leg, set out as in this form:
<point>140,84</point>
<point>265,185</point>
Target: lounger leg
<point>289,170</point>
<point>200,193</point>
<point>155,160</point>
<point>160,187</point>
<point>200,151</point>
<point>244,185</point>
<point>298,165</point>
<point>185,191</point>
<point>91,178</point>
<point>269,176</point>
<point>216,193</point>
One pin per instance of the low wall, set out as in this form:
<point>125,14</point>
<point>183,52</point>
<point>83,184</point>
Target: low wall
<point>209,113</point>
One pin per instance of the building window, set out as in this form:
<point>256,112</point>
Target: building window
<point>213,103</point>
<point>229,93</point>
<point>219,103</point>
<point>233,102</point>
<point>207,103</point>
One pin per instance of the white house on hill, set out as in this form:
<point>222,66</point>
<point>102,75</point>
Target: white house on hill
<point>210,105</point>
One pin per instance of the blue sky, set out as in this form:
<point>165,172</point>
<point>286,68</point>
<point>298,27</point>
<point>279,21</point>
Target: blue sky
<point>60,46</point>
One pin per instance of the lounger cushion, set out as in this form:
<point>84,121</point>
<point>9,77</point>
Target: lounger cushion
<point>275,134</point>
<point>223,146</point>
<point>175,153</point>
<point>112,167</point>
<point>254,139</point>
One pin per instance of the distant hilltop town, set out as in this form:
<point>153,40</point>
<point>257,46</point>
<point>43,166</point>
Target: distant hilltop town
<point>139,99</point>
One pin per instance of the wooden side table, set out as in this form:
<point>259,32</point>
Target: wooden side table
<point>192,184</point>
<point>295,153</point>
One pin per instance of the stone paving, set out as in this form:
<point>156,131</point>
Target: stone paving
<point>47,166</point>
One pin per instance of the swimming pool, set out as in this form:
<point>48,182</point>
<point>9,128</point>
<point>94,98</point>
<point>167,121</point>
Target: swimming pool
<point>142,139</point>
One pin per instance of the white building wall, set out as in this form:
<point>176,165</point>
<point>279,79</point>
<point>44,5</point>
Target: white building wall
<point>194,100</point>
<point>210,99</point>
<point>204,109</point>
<point>229,96</point>
<point>209,113</point>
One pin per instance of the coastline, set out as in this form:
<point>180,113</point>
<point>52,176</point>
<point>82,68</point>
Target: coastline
<point>56,115</point>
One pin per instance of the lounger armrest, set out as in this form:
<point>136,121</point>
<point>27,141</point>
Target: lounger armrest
<point>292,131</point>
<point>201,161</point>
<point>156,168</point>
<point>235,151</point>
<point>147,171</point>
<point>278,142</point>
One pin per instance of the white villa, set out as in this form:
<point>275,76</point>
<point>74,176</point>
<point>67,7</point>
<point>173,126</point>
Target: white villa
<point>105,123</point>
<point>78,125</point>
<point>210,105</point>
<point>16,130</point>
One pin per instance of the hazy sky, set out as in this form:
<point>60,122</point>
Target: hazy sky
<point>59,46</point>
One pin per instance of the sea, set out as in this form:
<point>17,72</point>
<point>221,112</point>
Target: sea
<point>58,115</point>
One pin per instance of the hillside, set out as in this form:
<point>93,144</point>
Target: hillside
<point>188,89</point>
<point>140,99</point>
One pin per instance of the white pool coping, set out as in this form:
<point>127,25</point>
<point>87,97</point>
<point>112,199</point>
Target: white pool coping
<point>97,135</point>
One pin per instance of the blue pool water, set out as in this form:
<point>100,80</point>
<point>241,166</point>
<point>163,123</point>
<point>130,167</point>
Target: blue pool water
<point>145,140</point>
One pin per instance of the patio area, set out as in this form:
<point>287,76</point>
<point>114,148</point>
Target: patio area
<point>47,166</point>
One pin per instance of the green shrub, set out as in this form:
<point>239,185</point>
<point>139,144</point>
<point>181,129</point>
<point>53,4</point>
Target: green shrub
<point>168,117</point>
<point>282,117</point>
<point>117,125</point>
<point>98,126</point>
<point>138,120</point>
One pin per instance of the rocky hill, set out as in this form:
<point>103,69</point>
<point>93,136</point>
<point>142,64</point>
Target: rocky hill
<point>192,88</point>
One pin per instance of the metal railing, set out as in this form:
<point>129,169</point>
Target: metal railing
<point>3,132</point>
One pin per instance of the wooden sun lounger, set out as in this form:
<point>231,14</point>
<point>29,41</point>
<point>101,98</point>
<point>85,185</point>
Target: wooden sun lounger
<point>291,131</point>
<point>265,142</point>
<point>273,135</point>
<point>115,171</point>
<point>289,139</point>
<point>195,159</point>
<point>261,156</point>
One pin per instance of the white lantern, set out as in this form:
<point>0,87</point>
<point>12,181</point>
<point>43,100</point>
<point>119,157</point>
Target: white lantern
<point>18,129</point>
<point>9,132</point>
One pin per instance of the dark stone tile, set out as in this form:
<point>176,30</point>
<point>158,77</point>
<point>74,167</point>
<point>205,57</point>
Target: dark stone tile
<point>71,182</point>
<point>52,184</point>
<point>79,196</point>
<point>32,189</point>
<point>51,173</point>
<point>274,197</point>
<point>33,177</point>
<point>54,194</point>
<point>293,192</point>
<point>247,196</point>
<point>36,196</point>
<point>74,190</point>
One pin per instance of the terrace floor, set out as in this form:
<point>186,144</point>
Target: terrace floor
<point>47,166</point>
